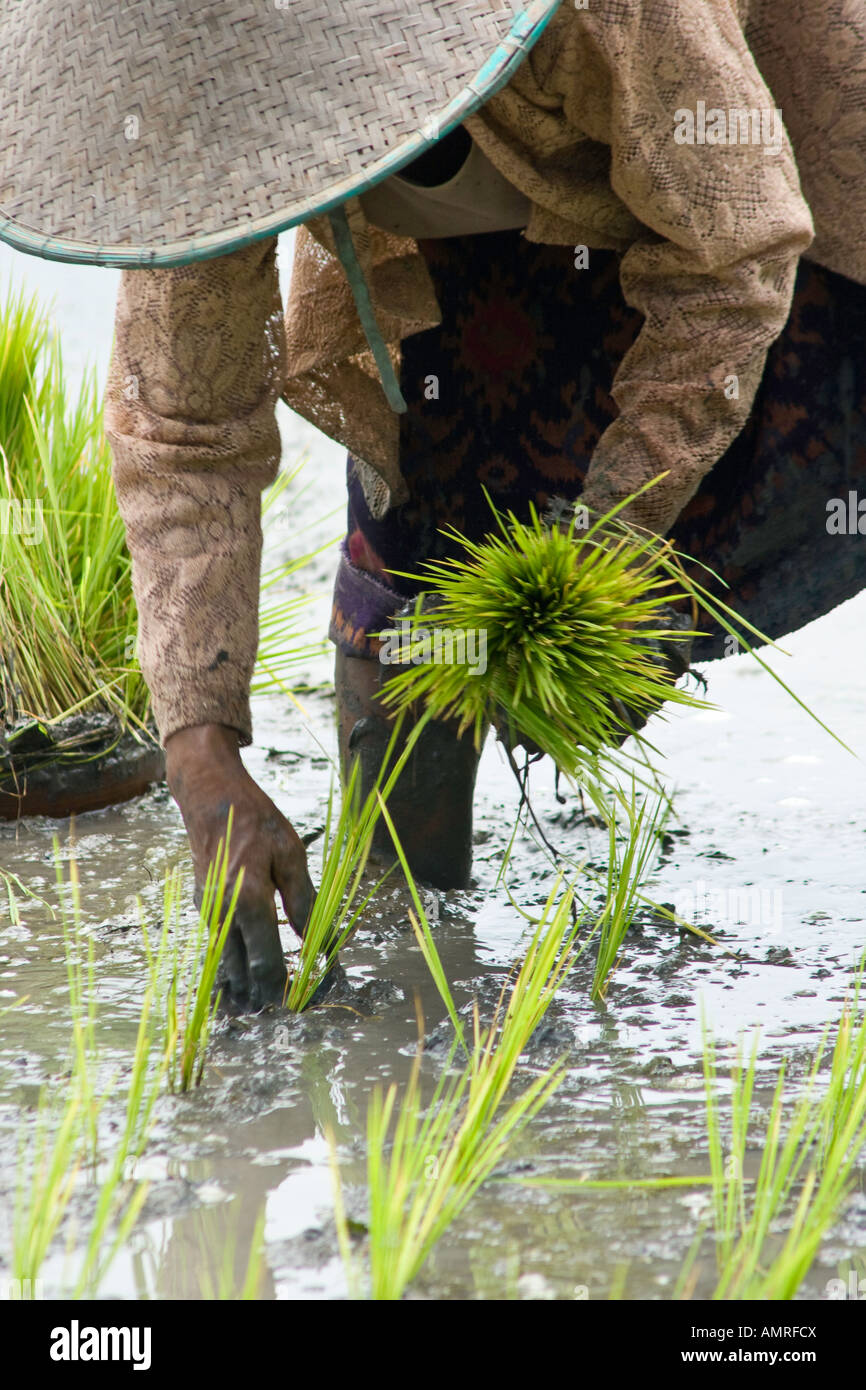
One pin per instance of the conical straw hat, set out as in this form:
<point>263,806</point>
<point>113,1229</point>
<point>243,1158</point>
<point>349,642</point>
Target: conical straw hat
<point>161,132</point>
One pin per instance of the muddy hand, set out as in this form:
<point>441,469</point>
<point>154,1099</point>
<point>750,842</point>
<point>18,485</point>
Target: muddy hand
<point>206,777</point>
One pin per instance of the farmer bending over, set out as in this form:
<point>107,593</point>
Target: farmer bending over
<point>549,251</point>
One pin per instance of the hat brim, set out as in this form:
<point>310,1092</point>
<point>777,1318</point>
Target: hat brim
<point>162,133</point>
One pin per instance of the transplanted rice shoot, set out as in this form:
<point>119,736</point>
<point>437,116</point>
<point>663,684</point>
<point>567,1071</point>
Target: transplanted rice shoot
<point>768,1228</point>
<point>339,901</point>
<point>184,975</point>
<point>424,1163</point>
<point>629,867</point>
<point>64,1150</point>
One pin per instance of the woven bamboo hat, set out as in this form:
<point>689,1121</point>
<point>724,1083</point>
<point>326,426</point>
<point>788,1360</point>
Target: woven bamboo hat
<point>167,131</point>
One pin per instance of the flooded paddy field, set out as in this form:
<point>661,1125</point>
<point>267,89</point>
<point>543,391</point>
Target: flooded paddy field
<point>765,852</point>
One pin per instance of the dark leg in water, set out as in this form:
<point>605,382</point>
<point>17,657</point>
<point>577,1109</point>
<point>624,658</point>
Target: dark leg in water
<point>431,804</point>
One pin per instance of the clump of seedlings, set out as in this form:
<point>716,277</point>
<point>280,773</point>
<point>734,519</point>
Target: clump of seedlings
<point>571,620</point>
<point>424,1163</point>
<point>635,828</point>
<point>184,975</point>
<point>583,628</point>
<point>808,1153</point>
<point>63,1149</point>
<point>67,615</point>
<point>340,900</point>
<point>68,620</point>
<point>629,866</point>
<point>778,1181</point>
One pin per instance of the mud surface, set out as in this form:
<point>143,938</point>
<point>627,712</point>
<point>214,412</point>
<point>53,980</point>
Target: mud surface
<point>768,848</point>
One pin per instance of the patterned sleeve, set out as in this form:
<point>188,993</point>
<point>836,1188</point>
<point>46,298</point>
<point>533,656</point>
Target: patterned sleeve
<point>195,374</point>
<point>723,225</point>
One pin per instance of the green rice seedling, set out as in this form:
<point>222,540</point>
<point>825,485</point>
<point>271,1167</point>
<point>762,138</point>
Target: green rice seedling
<point>542,972</point>
<point>440,1154</point>
<point>569,619</point>
<point>14,886</point>
<point>618,1282</point>
<point>80,978</point>
<point>729,1209</point>
<point>120,1198</point>
<point>830,1179</point>
<point>339,902</point>
<point>628,870</point>
<point>437,1159</point>
<point>49,1161</point>
<point>550,940</point>
<point>423,933</point>
<point>16,1004</point>
<point>805,1173</point>
<point>65,1137</point>
<point>185,976</point>
<point>337,909</point>
<point>848,1066</point>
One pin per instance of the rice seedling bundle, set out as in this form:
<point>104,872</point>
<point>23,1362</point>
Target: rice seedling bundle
<point>574,635</point>
<point>569,623</point>
<point>68,620</point>
<point>67,615</point>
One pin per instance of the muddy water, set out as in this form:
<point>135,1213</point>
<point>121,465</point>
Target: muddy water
<point>766,851</point>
